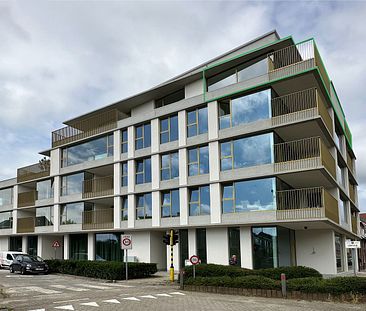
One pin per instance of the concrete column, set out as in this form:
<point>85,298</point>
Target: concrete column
<point>66,246</point>
<point>15,196</point>
<point>183,170</point>
<point>117,145</point>
<point>56,217</point>
<point>117,212</point>
<point>217,237</point>
<point>56,189</point>
<point>192,249</point>
<point>213,117</point>
<point>117,176</point>
<point>131,176</point>
<point>155,172</point>
<point>215,203</point>
<point>214,160</point>
<point>156,215</point>
<point>183,202</point>
<point>91,246</point>
<point>155,135</point>
<point>182,128</point>
<point>15,221</point>
<point>40,246</point>
<point>55,161</point>
<point>131,211</point>
<point>131,141</point>
<point>25,244</point>
<point>246,249</point>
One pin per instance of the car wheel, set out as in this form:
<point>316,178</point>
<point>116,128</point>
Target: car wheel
<point>22,271</point>
<point>11,270</point>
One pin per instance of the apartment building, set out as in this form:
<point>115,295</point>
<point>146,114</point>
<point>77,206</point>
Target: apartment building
<point>247,154</point>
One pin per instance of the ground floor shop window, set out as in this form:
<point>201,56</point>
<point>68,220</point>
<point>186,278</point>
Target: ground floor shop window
<point>15,243</point>
<point>264,247</point>
<point>339,253</point>
<point>108,247</point>
<point>78,246</point>
<point>349,259</point>
<point>234,246</point>
<point>32,245</point>
<point>201,244</point>
<point>183,247</point>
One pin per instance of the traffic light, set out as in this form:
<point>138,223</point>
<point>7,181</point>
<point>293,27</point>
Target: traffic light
<point>175,238</point>
<point>166,239</point>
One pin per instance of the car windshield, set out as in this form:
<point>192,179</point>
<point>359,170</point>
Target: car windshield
<point>32,259</point>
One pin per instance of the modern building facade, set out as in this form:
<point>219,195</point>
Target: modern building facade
<point>248,154</point>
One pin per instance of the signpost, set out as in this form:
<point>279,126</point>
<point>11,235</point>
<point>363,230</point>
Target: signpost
<point>194,261</point>
<point>56,244</point>
<point>126,244</point>
<point>353,245</point>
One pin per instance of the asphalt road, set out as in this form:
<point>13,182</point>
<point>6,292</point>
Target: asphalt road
<point>60,292</point>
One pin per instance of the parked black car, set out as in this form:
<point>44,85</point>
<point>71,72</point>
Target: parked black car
<point>28,264</point>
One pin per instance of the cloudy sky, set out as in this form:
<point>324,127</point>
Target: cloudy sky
<point>59,59</point>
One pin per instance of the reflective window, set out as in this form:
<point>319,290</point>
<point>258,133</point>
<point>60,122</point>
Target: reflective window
<point>95,149</point>
<point>249,195</point>
<point>246,152</point>
<point>15,243</point>
<point>143,171</point>
<point>169,129</point>
<point>6,196</point>
<point>170,98</point>
<point>124,143</point>
<point>170,203</point>
<point>197,122</point>
<point>343,212</point>
<point>6,220</point>
<point>339,253</point>
<point>264,247</point>
<point>201,244</point>
<point>169,166</point>
<point>199,201</point>
<point>73,213</point>
<point>44,216</point>
<point>45,189</point>
<point>78,247</point>
<point>234,246</point>
<point>73,184</point>
<point>142,136</point>
<point>108,247</point>
<point>340,176</point>
<point>124,174</point>
<point>143,206</point>
<point>247,72</point>
<point>124,213</point>
<point>198,161</point>
<point>245,109</point>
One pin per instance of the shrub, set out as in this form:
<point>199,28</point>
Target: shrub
<point>109,270</point>
<point>291,272</point>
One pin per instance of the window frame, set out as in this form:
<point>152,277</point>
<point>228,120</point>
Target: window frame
<point>143,207</point>
<point>168,130</point>
<point>170,205</point>
<point>124,174</point>
<point>231,156</point>
<point>198,162</point>
<point>124,209</point>
<point>143,172</point>
<point>196,123</point>
<point>232,199</point>
<point>168,167</point>
<point>124,143</point>
<point>142,138</point>
<point>199,202</point>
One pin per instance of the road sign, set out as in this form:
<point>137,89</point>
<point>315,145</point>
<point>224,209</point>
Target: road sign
<point>194,260</point>
<point>126,241</point>
<point>353,244</point>
<point>56,244</point>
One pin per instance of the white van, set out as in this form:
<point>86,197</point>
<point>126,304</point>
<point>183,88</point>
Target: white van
<point>7,257</point>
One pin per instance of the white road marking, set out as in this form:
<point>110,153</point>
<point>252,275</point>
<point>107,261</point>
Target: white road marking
<point>37,289</point>
<point>163,295</point>
<point>132,298</point>
<point>38,310</point>
<point>93,286</point>
<point>148,296</point>
<point>71,300</point>
<point>177,293</point>
<point>116,285</point>
<point>68,307</point>
<point>91,304</point>
<point>75,289</point>
<point>111,301</point>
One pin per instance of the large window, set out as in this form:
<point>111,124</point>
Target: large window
<point>250,195</point>
<point>78,247</point>
<point>343,212</point>
<point>73,213</point>
<point>243,72</point>
<point>143,171</point>
<point>6,220</point>
<point>183,247</point>
<point>199,201</point>
<point>44,216</point>
<point>198,161</point>
<point>142,136</point>
<point>234,244</point>
<point>143,206</point>
<point>170,98</point>
<point>95,149</point>
<point>124,174</point>
<point>197,122</point>
<point>6,196</point>
<point>73,184</point>
<point>264,247</point>
<point>170,203</point>
<point>169,166</point>
<point>45,189</point>
<point>15,243</point>
<point>246,152</point>
<point>245,109</point>
<point>124,143</point>
<point>108,247</point>
<point>169,129</point>
<point>201,244</point>
<point>124,211</point>
<point>339,253</point>
<point>32,245</point>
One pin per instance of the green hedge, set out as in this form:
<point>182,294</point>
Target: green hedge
<point>211,270</point>
<point>109,270</point>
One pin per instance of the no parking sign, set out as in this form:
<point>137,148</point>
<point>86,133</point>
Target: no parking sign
<point>126,241</point>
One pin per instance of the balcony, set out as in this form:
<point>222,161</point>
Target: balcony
<point>35,171</point>
<point>25,225</point>
<point>307,153</point>
<point>307,203</point>
<point>97,187</point>
<point>354,224</point>
<point>94,125</point>
<point>299,106</point>
<point>352,193</point>
<point>350,163</point>
<point>98,219</point>
<point>27,198</point>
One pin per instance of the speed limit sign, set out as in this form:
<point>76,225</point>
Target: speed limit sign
<point>194,260</point>
<point>126,241</point>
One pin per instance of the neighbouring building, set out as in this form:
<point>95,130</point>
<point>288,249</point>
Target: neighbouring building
<point>247,154</point>
<point>362,250</point>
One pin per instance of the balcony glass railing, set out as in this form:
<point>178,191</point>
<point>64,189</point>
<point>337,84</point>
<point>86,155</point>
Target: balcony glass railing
<point>25,225</point>
<point>27,198</point>
<point>35,171</point>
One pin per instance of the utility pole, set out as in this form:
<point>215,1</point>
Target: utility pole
<point>171,255</point>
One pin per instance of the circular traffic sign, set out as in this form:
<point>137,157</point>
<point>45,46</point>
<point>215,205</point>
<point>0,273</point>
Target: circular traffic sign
<point>194,260</point>
<point>126,242</point>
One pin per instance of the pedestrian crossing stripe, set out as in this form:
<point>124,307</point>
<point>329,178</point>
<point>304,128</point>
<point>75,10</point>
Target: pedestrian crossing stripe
<point>91,304</point>
<point>131,298</point>
<point>148,296</point>
<point>112,301</point>
<point>67,307</point>
<point>163,295</point>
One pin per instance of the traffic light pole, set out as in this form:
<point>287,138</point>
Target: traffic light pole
<point>171,255</point>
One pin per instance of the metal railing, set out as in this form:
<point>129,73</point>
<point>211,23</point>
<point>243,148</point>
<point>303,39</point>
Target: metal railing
<point>98,219</point>
<point>306,203</point>
<point>97,187</point>
<point>34,171</point>
<point>25,225</point>
<point>354,224</point>
<point>352,193</point>
<point>350,163</point>
<point>85,128</point>
<point>27,198</point>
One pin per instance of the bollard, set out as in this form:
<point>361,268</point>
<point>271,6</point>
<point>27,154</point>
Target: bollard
<point>283,285</point>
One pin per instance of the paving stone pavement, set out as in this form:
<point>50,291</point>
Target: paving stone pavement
<point>60,292</point>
